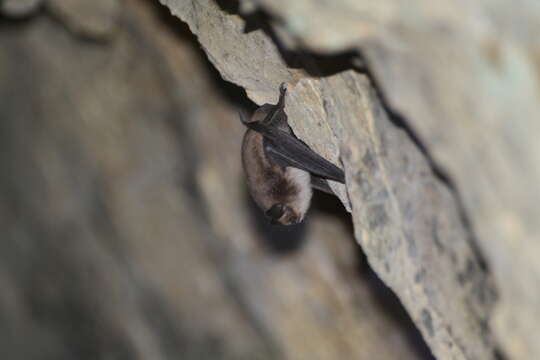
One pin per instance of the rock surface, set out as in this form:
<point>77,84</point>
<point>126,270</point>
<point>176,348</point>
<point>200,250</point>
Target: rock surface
<point>128,234</point>
<point>407,219</point>
<point>465,76</point>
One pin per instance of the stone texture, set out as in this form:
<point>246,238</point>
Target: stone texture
<point>406,218</point>
<point>128,233</point>
<point>465,77</point>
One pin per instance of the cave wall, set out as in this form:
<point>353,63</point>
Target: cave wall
<point>128,229</point>
<point>461,79</point>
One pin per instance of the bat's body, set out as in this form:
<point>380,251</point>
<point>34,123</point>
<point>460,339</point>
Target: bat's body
<point>279,167</point>
<point>284,193</point>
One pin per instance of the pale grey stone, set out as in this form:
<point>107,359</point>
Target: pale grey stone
<point>407,218</point>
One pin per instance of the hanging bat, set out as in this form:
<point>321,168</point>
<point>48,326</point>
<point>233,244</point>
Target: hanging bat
<point>281,169</point>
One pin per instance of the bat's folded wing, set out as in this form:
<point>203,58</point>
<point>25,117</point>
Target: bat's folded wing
<point>286,150</point>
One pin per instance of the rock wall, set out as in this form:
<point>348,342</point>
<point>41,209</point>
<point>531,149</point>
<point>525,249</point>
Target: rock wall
<point>128,229</point>
<point>128,233</point>
<point>461,79</point>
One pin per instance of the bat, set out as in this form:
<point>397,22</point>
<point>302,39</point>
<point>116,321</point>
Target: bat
<point>281,170</point>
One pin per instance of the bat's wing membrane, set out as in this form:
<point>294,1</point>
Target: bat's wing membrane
<point>321,184</point>
<point>286,150</point>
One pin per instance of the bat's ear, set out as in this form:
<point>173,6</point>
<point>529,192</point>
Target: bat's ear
<point>258,116</point>
<point>243,117</point>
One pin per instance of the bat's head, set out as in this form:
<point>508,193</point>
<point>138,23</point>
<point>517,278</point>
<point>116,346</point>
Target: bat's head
<point>283,214</point>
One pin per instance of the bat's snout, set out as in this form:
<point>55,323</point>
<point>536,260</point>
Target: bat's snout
<point>284,215</point>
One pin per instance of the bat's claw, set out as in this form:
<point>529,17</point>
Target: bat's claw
<point>282,92</point>
<point>282,88</point>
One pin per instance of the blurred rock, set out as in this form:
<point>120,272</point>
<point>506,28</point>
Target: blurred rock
<point>104,256</point>
<point>93,19</point>
<point>127,229</point>
<point>19,8</point>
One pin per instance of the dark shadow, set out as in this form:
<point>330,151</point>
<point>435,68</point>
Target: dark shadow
<point>8,21</point>
<point>229,6</point>
<point>499,355</point>
<point>14,24</point>
<point>278,239</point>
<point>330,205</point>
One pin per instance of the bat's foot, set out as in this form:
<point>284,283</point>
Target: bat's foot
<point>282,92</point>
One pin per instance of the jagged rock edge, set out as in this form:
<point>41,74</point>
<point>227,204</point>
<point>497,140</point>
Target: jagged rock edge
<point>394,116</point>
<point>397,120</point>
<point>438,171</point>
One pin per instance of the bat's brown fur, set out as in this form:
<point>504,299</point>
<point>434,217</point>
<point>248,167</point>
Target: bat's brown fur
<point>272,185</point>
